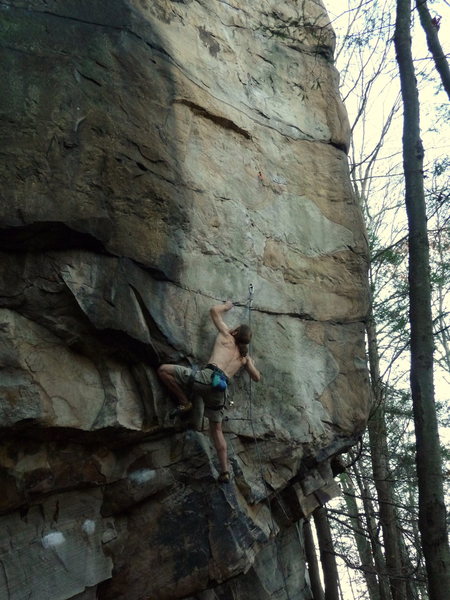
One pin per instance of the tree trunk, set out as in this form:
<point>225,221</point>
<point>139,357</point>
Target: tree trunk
<point>362,543</point>
<point>372,526</point>
<point>421,576</point>
<point>414,589</point>
<point>432,514</point>
<point>443,330</point>
<point>434,45</point>
<point>313,565</point>
<point>327,555</point>
<point>379,454</point>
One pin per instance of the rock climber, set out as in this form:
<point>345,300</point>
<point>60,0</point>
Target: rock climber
<point>229,355</point>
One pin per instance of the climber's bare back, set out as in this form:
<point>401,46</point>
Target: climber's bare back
<point>226,355</point>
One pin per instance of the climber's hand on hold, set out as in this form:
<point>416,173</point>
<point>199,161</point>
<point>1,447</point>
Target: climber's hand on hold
<point>216,313</point>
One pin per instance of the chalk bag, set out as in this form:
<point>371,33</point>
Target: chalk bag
<point>219,382</point>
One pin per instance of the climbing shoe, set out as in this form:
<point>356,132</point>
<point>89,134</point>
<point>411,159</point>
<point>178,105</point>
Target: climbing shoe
<point>180,410</point>
<point>224,477</point>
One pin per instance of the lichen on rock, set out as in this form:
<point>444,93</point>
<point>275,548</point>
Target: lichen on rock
<point>158,158</point>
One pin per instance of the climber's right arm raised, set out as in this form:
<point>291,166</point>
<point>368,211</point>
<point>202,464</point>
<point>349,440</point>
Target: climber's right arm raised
<point>216,315</point>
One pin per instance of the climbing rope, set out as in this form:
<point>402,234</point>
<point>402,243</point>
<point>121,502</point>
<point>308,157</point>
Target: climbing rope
<point>248,309</point>
<point>251,291</point>
<point>259,457</point>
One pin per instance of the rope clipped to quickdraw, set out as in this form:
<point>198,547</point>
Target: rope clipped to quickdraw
<point>246,304</point>
<point>251,291</point>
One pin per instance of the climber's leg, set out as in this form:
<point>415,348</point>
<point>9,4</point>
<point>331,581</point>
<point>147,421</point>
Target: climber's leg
<point>168,375</point>
<point>220,444</point>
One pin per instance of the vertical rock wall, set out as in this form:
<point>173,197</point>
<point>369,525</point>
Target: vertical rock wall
<point>160,156</point>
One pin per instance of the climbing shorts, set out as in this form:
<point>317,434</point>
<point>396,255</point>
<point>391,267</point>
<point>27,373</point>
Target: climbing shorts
<point>213,400</point>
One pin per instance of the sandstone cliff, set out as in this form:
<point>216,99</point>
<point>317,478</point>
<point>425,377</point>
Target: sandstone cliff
<point>159,156</point>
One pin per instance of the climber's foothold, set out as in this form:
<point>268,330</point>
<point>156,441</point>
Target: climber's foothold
<point>224,477</point>
<point>180,410</point>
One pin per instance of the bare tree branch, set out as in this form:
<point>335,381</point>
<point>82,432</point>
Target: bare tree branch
<point>431,27</point>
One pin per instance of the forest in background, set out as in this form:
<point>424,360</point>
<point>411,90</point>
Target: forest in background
<point>387,537</point>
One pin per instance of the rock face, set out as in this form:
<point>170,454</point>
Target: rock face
<point>158,157</point>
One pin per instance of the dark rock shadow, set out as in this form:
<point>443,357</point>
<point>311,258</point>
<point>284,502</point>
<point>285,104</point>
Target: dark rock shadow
<point>91,174</point>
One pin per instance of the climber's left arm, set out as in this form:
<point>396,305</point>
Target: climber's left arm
<point>251,369</point>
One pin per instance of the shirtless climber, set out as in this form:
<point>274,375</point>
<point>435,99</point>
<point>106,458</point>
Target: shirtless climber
<point>229,355</point>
